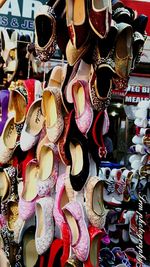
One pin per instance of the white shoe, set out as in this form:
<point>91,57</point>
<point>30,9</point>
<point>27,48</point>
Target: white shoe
<point>141,113</point>
<point>32,127</point>
<point>141,122</point>
<point>144,104</point>
<point>137,140</point>
<point>134,157</point>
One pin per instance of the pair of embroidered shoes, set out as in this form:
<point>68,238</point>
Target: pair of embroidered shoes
<point>23,100</point>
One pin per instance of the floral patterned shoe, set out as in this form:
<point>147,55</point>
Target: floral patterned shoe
<point>82,105</point>
<point>45,33</point>
<point>45,225</point>
<point>28,197</point>
<point>32,127</point>
<point>48,169</point>
<point>80,241</point>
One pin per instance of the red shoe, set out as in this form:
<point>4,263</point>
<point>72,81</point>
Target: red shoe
<point>60,248</point>
<point>55,250</point>
<point>96,236</point>
<point>66,240</point>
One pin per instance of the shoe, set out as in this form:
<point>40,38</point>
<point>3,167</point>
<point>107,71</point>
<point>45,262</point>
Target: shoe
<point>106,257</point>
<point>32,127</point>
<point>9,52</point>
<point>138,43</point>
<point>56,250</point>
<point>45,33</point>
<point>12,213</point>
<point>144,170</point>
<point>82,106</point>
<point>132,255</point>
<point>29,253</point>
<point>124,14</point>
<point>103,57</point>
<point>4,100</point>
<point>109,188</point>
<point>51,110</point>
<point>20,226</point>
<point>100,14</point>
<point>100,100</point>
<point>80,241</point>
<point>3,258</point>
<point>139,24</point>
<point>95,138</point>
<point>73,54</point>
<point>48,169</point>
<point>17,105</point>
<point>119,184</point>
<point>123,50</point>
<point>45,225</point>
<point>8,141</point>
<point>28,197</point>
<point>72,261</point>
<point>80,72</point>
<point>147,229</point>
<point>133,228</point>
<point>22,95</point>
<point>63,142</point>
<point>9,188</point>
<point>120,257</point>
<point>61,199</point>
<point>127,175</point>
<point>79,171</point>
<point>1,4</point>
<point>69,74</point>
<point>141,113</point>
<point>95,209</point>
<point>77,23</point>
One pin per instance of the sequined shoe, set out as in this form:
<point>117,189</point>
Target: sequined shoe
<point>45,225</point>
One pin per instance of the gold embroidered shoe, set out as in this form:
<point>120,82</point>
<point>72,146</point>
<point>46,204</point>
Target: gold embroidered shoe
<point>52,105</point>
<point>95,209</point>
<point>123,50</point>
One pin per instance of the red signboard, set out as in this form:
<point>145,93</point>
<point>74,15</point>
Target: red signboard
<point>142,7</point>
<point>133,94</point>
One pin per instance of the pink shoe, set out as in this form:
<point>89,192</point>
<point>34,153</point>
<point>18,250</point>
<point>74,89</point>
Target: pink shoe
<point>48,169</point>
<point>61,199</point>
<point>45,224</point>
<point>82,105</point>
<point>80,240</point>
<point>29,194</point>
